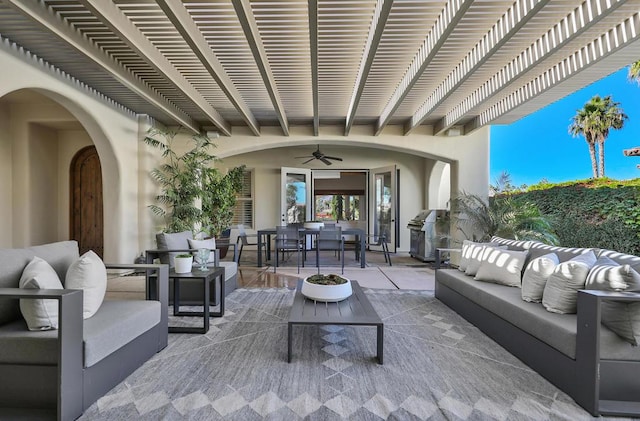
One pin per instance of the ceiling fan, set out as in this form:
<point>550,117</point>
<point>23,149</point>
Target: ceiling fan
<point>319,155</point>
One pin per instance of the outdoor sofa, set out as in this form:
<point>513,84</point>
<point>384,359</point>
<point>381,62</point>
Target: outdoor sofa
<point>576,352</point>
<point>59,373</point>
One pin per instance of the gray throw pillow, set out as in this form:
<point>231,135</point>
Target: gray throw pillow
<point>172,241</point>
<point>622,318</point>
<point>561,292</point>
<point>502,266</point>
<point>535,276</point>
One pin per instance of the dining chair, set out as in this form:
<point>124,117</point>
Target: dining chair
<point>243,240</point>
<point>287,241</point>
<point>330,239</point>
<point>375,240</point>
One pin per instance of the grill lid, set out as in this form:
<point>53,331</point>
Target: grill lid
<point>418,221</point>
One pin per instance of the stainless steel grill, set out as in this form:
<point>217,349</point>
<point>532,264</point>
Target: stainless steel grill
<point>429,230</point>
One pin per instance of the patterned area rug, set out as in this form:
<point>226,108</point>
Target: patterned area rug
<point>437,367</point>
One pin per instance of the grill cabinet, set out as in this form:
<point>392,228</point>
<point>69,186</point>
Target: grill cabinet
<point>429,230</point>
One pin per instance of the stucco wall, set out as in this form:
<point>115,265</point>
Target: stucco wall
<point>129,227</point>
<point>113,130</point>
<point>6,211</point>
<point>425,180</point>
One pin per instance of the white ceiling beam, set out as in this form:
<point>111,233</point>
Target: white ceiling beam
<point>44,16</point>
<point>449,17</point>
<point>313,46</point>
<point>380,16</point>
<point>109,14</point>
<point>184,24</point>
<point>612,41</point>
<point>582,18</point>
<point>252,34</point>
<point>502,31</point>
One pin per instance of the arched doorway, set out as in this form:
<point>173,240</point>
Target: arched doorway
<point>86,216</point>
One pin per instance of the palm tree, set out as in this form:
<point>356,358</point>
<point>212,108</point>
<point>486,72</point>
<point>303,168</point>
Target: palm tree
<point>594,121</point>
<point>502,216</point>
<point>634,71</point>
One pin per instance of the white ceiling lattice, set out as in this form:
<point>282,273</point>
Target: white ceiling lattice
<point>215,65</point>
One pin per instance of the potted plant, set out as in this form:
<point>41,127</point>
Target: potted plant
<point>186,178</point>
<point>183,263</point>
<point>326,288</point>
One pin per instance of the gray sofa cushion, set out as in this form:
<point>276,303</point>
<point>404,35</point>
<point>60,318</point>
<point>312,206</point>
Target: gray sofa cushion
<point>59,255</point>
<point>116,324</point>
<point>12,262</point>
<point>172,241</point>
<point>556,330</point>
<point>113,326</point>
<point>537,249</point>
<point>22,346</point>
<point>517,245</point>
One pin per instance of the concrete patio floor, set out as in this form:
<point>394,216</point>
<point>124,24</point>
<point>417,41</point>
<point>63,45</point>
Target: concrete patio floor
<point>406,273</point>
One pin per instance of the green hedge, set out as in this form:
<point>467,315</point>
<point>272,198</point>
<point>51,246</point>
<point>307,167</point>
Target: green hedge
<point>594,213</point>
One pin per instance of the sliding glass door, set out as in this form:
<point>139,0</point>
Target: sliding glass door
<point>295,195</point>
<point>382,196</point>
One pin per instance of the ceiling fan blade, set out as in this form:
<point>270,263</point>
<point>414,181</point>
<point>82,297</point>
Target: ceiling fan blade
<point>306,156</point>
<point>333,157</point>
<point>307,161</point>
<point>326,161</point>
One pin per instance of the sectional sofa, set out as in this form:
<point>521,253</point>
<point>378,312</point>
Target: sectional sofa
<point>58,366</point>
<point>568,340</point>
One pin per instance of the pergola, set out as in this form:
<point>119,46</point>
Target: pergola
<point>453,65</point>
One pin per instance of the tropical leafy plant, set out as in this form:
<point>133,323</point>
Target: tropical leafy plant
<point>220,196</point>
<point>185,178</point>
<point>479,220</point>
<point>634,71</point>
<point>594,121</point>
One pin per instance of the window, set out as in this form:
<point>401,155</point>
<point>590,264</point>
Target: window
<point>341,207</point>
<point>243,211</point>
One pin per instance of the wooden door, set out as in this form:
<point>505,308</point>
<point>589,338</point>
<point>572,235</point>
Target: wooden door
<point>86,220</point>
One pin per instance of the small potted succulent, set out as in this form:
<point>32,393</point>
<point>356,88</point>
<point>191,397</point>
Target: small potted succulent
<point>183,263</point>
<point>327,288</point>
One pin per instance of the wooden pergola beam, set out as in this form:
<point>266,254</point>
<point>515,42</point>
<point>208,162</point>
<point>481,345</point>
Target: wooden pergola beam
<point>632,151</point>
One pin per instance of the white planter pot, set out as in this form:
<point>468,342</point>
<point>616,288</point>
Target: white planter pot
<point>183,264</point>
<point>326,293</point>
<point>313,225</point>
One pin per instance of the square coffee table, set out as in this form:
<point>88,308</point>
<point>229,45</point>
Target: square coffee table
<point>206,276</point>
<point>355,310</point>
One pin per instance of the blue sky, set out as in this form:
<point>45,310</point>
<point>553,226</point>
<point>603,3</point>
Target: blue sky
<point>539,146</point>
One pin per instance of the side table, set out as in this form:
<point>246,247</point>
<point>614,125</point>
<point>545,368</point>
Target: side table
<point>206,276</point>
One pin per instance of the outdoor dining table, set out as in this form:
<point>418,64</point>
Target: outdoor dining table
<point>268,232</point>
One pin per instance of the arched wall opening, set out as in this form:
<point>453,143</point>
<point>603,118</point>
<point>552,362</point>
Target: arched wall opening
<point>415,177</point>
<point>41,131</point>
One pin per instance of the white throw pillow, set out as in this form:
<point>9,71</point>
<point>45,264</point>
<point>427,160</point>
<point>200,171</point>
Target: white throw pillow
<point>608,275</point>
<point>469,248</point>
<point>209,243</point>
<point>561,292</point>
<point>535,276</point>
<point>502,266</point>
<point>89,274</point>
<point>39,314</point>
<point>478,255</point>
